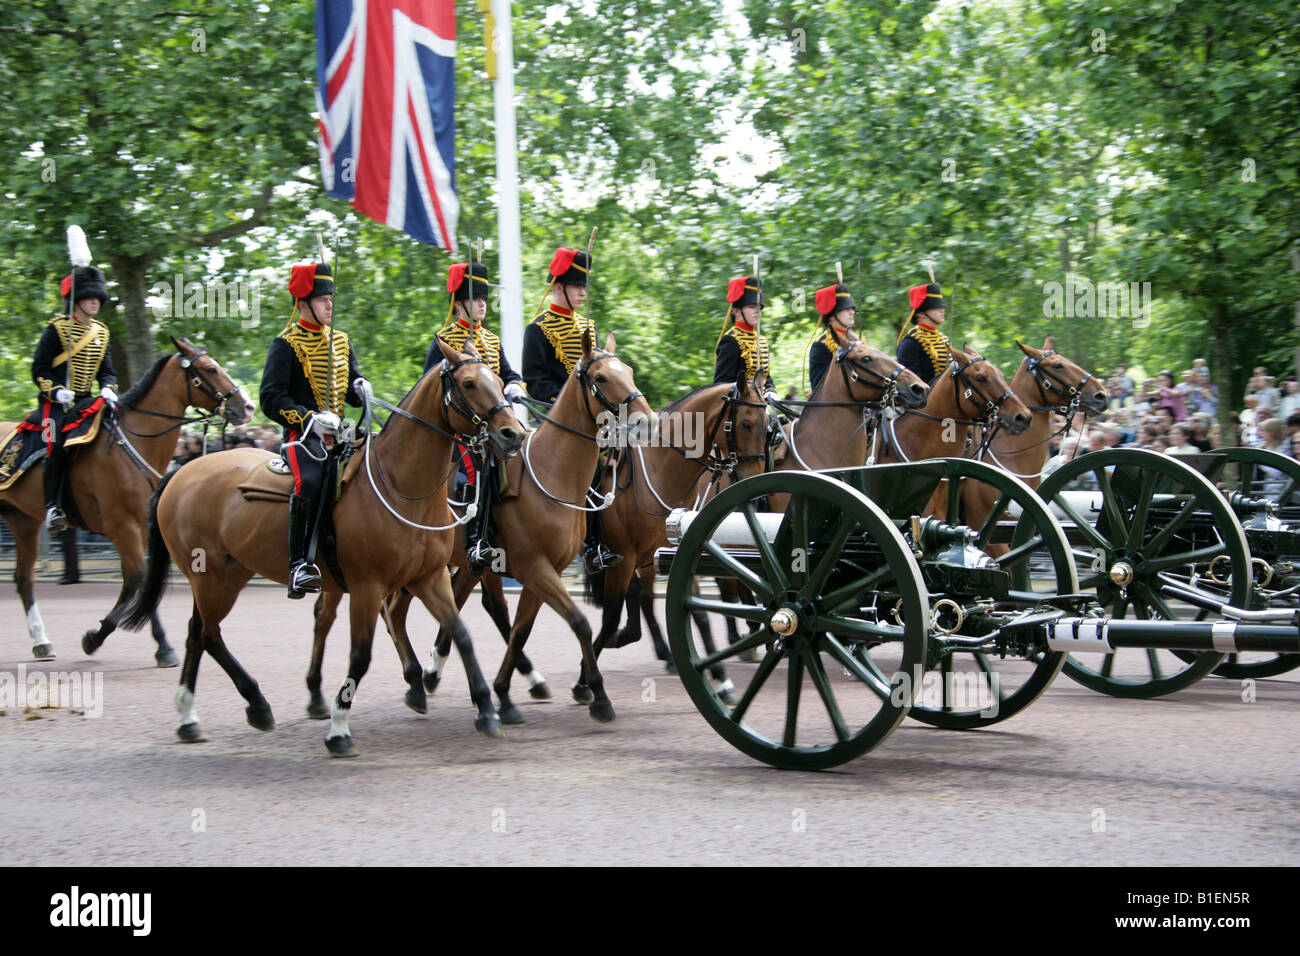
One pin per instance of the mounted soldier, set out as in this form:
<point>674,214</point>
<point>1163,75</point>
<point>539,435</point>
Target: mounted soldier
<point>923,348</point>
<point>311,370</point>
<point>837,310</point>
<point>552,347</point>
<point>71,355</point>
<point>742,346</point>
<point>468,289</point>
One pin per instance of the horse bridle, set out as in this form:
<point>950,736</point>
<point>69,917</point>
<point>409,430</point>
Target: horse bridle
<point>454,399</point>
<point>959,380</point>
<point>591,390</point>
<point>1054,383</point>
<point>191,373</point>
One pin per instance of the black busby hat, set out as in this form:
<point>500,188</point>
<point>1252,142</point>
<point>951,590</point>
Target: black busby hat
<point>745,290</point>
<point>833,298</point>
<point>922,298</point>
<point>310,280</point>
<point>570,267</point>
<point>462,290</point>
<point>86,282</point>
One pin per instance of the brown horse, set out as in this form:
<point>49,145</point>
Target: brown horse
<point>112,478</point>
<point>1046,382</point>
<point>972,392</point>
<point>382,548</point>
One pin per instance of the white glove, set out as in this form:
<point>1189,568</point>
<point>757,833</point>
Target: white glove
<point>108,395</point>
<point>515,392</point>
<point>362,387</point>
<point>326,425</point>
<point>64,396</point>
<point>770,395</point>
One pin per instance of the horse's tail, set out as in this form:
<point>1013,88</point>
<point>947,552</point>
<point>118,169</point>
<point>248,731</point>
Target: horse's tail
<point>149,594</point>
<point>593,588</point>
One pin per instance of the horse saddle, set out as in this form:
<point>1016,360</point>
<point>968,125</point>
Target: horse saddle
<point>274,481</point>
<point>25,445</point>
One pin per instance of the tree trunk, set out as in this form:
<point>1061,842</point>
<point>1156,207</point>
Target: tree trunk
<point>1219,329</point>
<point>132,274</point>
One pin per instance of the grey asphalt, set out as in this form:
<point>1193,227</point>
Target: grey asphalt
<point>1202,777</point>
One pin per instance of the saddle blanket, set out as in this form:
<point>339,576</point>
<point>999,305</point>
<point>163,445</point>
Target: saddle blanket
<point>25,445</point>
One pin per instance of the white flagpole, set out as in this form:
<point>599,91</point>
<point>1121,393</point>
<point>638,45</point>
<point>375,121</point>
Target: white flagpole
<point>511,258</point>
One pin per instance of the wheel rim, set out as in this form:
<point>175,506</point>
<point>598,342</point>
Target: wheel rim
<point>1143,542</point>
<point>797,709</point>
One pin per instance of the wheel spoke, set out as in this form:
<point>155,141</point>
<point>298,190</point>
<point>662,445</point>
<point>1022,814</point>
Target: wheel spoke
<point>849,593</point>
<point>1110,504</point>
<point>739,571</point>
<point>1161,538</point>
<point>757,639</point>
<point>872,678</point>
<point>794,685</point>
<point>1154,663</point>
<point>867,630</point>
<point>945,681</point>
<point>1167,561</point>
<point>771,566</point>
<point>1107,665</point>
<point>1020,552</point>
<point>991,521</point>
<point>995,682</point>
<point>761,674</point>
<point>1138,529</point>
<point>818,672</point>
<point>1155,600</point>
<point>798,511</point>
<point>1082,524</point>
<point>746,612</point>
<point>954,501</point>
<point>829,560</point>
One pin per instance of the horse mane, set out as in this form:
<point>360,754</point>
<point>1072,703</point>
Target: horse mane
<point>141,388</point>
<point>689,395</point>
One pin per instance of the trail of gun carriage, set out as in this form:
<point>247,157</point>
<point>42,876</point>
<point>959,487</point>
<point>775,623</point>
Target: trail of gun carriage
<point>481,319</point>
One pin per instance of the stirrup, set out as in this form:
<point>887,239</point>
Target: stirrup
<point>304,578</point>
<point>597,558</point>
<point>56,520</point>
<point>479,556</point>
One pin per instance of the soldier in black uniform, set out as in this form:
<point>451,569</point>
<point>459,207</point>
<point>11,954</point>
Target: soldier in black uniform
<point>71,354</point>
<point>923,348</point>
<point>469,290</point>
<point>837,310</point>
<point>552,347</point>
<point>310,371</point>
<point>742,345</point>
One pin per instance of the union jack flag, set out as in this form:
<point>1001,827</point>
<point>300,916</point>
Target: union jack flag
<point>386,94</point>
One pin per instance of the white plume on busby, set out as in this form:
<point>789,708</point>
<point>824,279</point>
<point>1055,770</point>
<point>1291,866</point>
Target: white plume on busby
<point>78,248</point>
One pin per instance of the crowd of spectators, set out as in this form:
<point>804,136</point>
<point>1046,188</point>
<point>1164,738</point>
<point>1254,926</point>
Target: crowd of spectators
<point>266,437</point>
<point>1178,415</point>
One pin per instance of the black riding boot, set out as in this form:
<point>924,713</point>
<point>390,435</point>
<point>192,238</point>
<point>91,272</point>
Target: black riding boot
<point>53,478</point>
<point>595,556</point>
<point>478,549</point>
<point>304,577</point>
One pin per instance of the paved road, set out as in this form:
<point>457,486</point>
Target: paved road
<point>1200,778</point>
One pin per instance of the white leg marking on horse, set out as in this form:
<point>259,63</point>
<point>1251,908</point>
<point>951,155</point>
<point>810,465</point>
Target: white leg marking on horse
<point>338,721</point>
<point>726,686</point>
<point>35,626</point>
<point>438,661</point>
<point>185,706</point>
<point>535,677</point>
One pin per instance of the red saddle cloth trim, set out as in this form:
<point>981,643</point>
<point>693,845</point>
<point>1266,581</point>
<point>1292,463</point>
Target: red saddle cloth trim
<point>87,412</point>
<point>466,459</point>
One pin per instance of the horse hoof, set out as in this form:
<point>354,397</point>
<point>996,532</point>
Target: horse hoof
<point>622,638</point>
<point>602,711</point>
<point>166,658</point>
<point>416,700</point>
<point>318,709</point>
<point>44,652</point>
<point>489,726</point>
<point>341,746</point>
<point>88,642</point>
<point>431,681</point>
<point>670,667</point>
<point>753,655</point>
<point>260,718</point>
<point>540,691</point>
<point>582,694</point>
<point>189,733</point>
<point>727,696</point>
<point>512,715</point>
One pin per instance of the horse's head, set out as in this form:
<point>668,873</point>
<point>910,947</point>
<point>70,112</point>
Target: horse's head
<point>609,390</point>
<point>1062,382</point>
<point>208,386</point>
<point>473,399</point>
<point>743,433</point>
<point>983,392</point>
<point>875,374</point>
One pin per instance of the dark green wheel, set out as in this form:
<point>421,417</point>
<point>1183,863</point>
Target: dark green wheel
<point>1138,520</point>
<point>1016,529</point>
<point>838,575</point>
<point>1279,571</point>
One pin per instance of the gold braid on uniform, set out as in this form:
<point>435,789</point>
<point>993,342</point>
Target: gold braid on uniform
<point>935,344</point>
<point>84,366</point>
<point>485,341</point>
<point>753,349</point>
<point>564,332</point>
<point>313,351</point>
